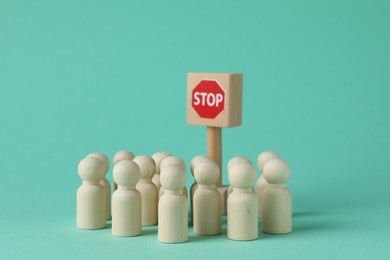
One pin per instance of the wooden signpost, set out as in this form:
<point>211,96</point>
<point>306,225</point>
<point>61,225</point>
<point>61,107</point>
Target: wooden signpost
<point>214,100</point>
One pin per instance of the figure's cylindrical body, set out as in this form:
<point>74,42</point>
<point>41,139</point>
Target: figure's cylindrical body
<point>207,211</point>
<point>192,191</point>
<point>90,206</point>
<point>230,189</point>
<point>242,215</point>
<point>156,181</point>
<point>276,210</point>
<point>173,217</point>
<point>158,158</point>
<point>223,194</point>
<point>261,184</point>
<point>149,202</point>
<point>126,212</point>
<point>107,197</point>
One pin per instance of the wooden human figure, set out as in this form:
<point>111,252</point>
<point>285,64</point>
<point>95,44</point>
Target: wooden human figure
<point>172,160</point>
<point>173,206</point>
<point>104,182</point>
<point>242,203</point>
<point>147,189</point>
<point>158,157</point>
<point>123,155</point>
<point>207,200</point>
<point>276,198</point>
<point>261,183</point>
<point>120,156</point>
<point>126,200</point>
<point>234,160</point>
<point>90,210</point>
<point>196,160</point>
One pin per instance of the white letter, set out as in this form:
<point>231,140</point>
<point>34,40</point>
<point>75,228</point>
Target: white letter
<point>196,97</point>
<point>203,94</point>
<point>219,99</point>
<point>212,101</point>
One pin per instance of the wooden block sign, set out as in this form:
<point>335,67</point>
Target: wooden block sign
<point>214,99</point>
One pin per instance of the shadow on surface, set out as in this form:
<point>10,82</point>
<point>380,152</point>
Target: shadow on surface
<point>320,224</point>
<point>301,229</point>
<point>198,238</point>
<point>301,214</point>
<point>306,222</point>
<point>313,227</point>
<point>147,231</point>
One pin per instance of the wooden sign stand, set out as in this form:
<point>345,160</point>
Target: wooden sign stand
<point>214,148</point>
<point>215,100</point>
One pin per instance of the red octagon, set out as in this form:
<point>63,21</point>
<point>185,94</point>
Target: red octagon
<point>208,99</point>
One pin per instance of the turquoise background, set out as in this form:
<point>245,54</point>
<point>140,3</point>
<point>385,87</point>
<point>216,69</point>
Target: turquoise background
<point>84,76</point>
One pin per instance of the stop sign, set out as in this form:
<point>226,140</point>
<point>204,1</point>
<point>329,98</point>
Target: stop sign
<point>208,99</point>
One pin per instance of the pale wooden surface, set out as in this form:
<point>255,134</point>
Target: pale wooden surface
<point>120,156</point>
<point>104,182</point>
<point>261,183</point>
<point>207,200</point>
<point>90,209</point>
<point>195,161</point>
<point>172,206</point>
<point>149,191</point>
<point>242,217</point>
<point>233,161</point>
<point>107,197</point>
<point>276,198</point>
<point>158,158</point>
<point>126,200</point>
<point>223,192</point>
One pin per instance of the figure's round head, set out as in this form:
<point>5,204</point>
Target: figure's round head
<point>276,171</point>
<point>264,157</point>
<point>123,155</point>
<point>158,157</point>
<point>146,165</point>
<point>242,175</point>
<point>197,159</point>
<point>206,172</point>
<point>102,157</point>
<point>172,177</point>
<point>237,159</point>
<point>126,173</point>
<point>173,160</point>
<point>91,169</point>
